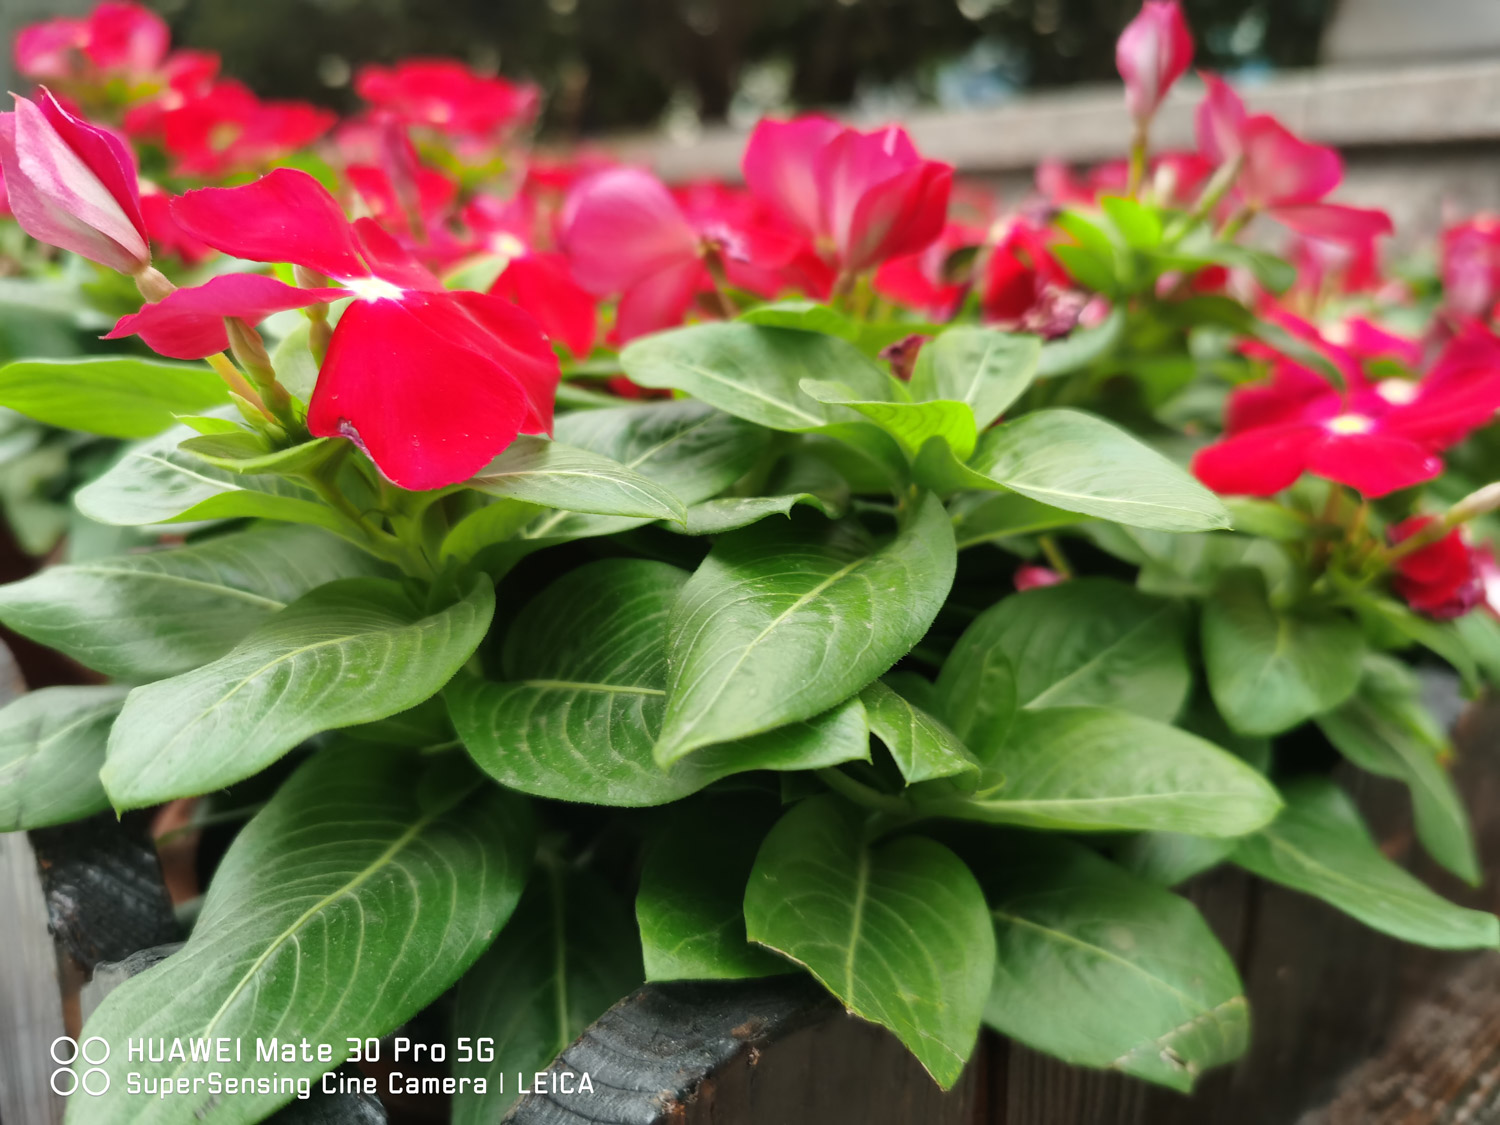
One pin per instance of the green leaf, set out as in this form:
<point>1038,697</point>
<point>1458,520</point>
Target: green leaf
<point>754,372</point>
<point>568,954</point>
<point>805,316</point>
<point>241,451</point>
<point>1384,728</point>
<point>155,482</point>
<point>690,907</point>
<point>779,624</point>
<point>296,369</point>
<point>1095,769</point>
<point>51,750</point>
<point>983,367</point>
<point>585,668</point>
<point>1170,858</point>
<point>1090,641</point>
<point>984,518</point>
<point>350,652</point>
<point>543,472</point>
<point>1138,224</point>
<point>923,748</point>
<point>730,513</point>
<point>156,614</point>
<point>116,396</point>
<point>356,897</point>
<point>898,931</point>
<point>686,447</point>
<point>1319,846</point>
<point>1270,669</point>
<point>1084,464</point>
<point>1082,347</point>
<point>910,423</point>
<point>1266,518</point>
<point>1100,968</point>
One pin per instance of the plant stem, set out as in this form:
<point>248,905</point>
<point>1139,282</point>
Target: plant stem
<point>1055,555</point>
<point>1138,147</point>
<point>860,793</point>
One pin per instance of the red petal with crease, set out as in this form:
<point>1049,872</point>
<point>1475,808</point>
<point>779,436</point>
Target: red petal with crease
<point>189,323</point>
<point>285,216</point>
<point>899,216</point>
<point>1258,463</point>
<point>659,302</point>
<point>1373,464</point>
<point>512,339</point>
<point>542,286</point>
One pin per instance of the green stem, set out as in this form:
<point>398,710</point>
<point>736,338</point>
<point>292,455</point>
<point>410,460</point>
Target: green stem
<point>1138,148</point>
<point>861,794</point>
<point>1055,555</point>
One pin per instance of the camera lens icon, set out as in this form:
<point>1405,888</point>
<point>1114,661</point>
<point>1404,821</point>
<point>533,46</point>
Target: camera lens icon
<point>65,1080</point>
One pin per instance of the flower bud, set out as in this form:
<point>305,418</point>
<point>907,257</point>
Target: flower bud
<point>73,185</point>
<point>1152,53</point>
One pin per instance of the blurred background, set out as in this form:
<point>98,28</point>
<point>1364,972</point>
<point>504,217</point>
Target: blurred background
<point>1410,88</point>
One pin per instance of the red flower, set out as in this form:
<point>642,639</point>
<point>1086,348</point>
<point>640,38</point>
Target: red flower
<point>1019,272</point>
<point>116,40</point>
<point>166,236</point>
<point>445,95</point>
<point>1374,438</point>
<point>1152,53</point>
<point>1444,579</point>
<point>225,128</point>
<point>431,384</point>
<point>73,185</point>
<point>926,281</point>
<point>862,197</point>
<point>1336,241</point>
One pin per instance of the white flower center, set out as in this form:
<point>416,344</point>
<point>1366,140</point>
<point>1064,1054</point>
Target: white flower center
<point>373,288</point>
<point>1351,424</point>
<point>1398,392</point>
<point>507,245</point>
<point>1338,334</point>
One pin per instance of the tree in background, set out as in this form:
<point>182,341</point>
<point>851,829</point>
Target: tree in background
<point>619,64</point>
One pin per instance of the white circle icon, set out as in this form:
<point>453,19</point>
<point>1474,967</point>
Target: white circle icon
<point>88,1053</point>
<point>89,1082</point>
<point>65,1081</point>
<point>71,1043</point>
<point>69,1079</point>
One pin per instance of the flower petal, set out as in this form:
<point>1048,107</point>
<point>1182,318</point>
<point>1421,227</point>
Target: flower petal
<point>1257,463</point>
<point>620,227</point>
<point>899,216</point>
<point>1372,464</point>
<point>779,166</point>
<point>429,411</point>
<point>285,216</point>
<point>1281,169</point>
<point>542,286</point>
<point>1151,54</point>
<point>1219,120</point>
<point>189,323</point>
<point>659,302</point>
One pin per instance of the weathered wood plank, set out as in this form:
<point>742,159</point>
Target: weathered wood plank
<point>31,1014</point>
<point>763,1051</point>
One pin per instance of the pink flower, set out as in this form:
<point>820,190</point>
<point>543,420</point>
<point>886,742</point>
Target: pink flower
<point>1151,54</point>
<point>1471,266</point>
<point>73,185</point>
<point>1282,170</point>
<point>445,95</point>
<point>1444,579</point>
<point>1337,242</point>
<point>1033,577</point>
<point>432,384</point>
<point>1376,438</point>
<point>625,233</point>
<point>862,197</point>
<point>116,40</point>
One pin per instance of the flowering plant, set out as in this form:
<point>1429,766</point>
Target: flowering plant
<point>944,580</point>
